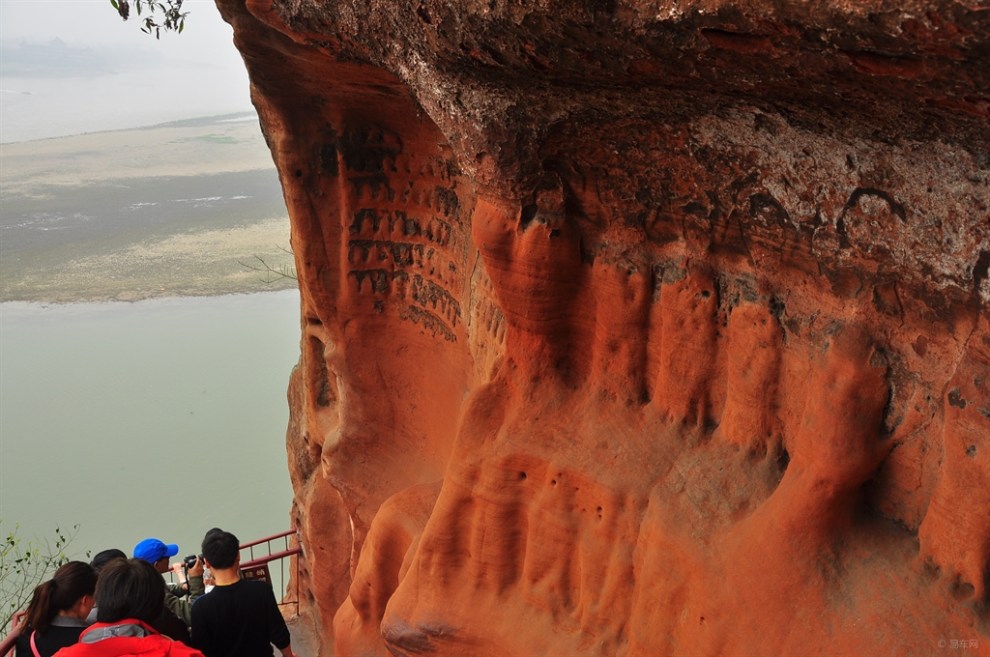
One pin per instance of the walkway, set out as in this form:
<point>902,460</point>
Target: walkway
<point>305,643</point>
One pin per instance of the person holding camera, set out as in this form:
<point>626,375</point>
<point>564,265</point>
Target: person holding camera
<point>182,571</point>
<point>165,623</point>
<point>129,597</point>
<point>179,598</point>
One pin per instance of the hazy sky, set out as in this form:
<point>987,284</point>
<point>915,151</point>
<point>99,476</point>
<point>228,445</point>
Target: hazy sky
<point>72,66</point>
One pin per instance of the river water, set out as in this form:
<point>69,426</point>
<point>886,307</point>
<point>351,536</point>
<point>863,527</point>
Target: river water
<point>160,418</point>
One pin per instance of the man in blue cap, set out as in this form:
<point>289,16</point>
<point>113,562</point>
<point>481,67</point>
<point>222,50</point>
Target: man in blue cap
<point>157,553</point>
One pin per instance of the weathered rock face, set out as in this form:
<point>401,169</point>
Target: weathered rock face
<point>637,328</point>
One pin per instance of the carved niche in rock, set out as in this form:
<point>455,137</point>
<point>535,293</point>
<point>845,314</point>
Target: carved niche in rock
<point>636,328</point>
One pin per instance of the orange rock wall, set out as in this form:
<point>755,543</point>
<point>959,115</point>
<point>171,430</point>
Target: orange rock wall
<point>636,328</point>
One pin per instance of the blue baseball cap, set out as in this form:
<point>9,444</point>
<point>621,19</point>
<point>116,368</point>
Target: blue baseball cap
<point>152,549</point>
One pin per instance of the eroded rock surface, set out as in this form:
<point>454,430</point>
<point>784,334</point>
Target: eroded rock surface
<point>637,328</point>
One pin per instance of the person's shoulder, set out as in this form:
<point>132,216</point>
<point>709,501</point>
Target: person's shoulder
<point>254,584</point>
<point>80,649</point>
<point>255,590</point>
<point>65,632</point>
<point>205,601</point>
<point>180,649</point>
<point>172,648</point>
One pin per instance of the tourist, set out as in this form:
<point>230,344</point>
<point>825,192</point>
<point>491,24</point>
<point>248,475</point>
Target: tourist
<point>57,612</point>
<point>104,557</point>
<point>167,622</point>
<point>238,618</point>
<point>157,553</point>
<point>101,559</point>
<point>208,580</point>
<point>130,594</point>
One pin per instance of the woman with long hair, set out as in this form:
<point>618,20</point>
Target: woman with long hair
<point>56,615</point>
<point>131,595</point>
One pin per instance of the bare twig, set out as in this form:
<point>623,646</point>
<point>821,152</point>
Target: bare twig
<point>271,273</point>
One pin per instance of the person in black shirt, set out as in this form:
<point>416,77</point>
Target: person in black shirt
<point>57,612</point>
<point>238,618</point>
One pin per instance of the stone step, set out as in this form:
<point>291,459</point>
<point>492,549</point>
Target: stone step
<point>305,640</point>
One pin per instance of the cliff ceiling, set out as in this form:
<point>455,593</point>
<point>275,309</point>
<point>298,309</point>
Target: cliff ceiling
<point>637,327</point>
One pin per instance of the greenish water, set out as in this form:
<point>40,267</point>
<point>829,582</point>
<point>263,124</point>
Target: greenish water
<point>158,418</point>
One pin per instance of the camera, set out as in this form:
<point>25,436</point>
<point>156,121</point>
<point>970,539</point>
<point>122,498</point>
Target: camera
<point>190,561</point>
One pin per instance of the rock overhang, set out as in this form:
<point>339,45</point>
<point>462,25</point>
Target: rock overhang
<point>713,274</point>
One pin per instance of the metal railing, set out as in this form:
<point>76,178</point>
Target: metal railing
<point>254,564</point>
<point>255,567</point>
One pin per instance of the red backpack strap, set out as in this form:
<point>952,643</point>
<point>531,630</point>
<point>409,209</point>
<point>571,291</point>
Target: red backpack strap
<point>34,648</point>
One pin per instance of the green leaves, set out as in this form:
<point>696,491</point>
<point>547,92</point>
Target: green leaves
<point>24,564</point>
<point>167,15</point>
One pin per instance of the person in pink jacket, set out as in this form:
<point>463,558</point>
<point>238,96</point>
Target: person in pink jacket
<point>129,595</point>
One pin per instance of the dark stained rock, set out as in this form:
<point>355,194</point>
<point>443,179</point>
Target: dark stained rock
<point>637,328</point>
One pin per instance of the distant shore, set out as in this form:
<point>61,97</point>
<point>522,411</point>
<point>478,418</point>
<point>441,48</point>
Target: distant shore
<point>205,263</point>
<point>185,209</point>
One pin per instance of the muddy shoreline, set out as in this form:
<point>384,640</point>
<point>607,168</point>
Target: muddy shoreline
<point>186,209</point>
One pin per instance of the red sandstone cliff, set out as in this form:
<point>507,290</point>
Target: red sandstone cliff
<point>637,328</point>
